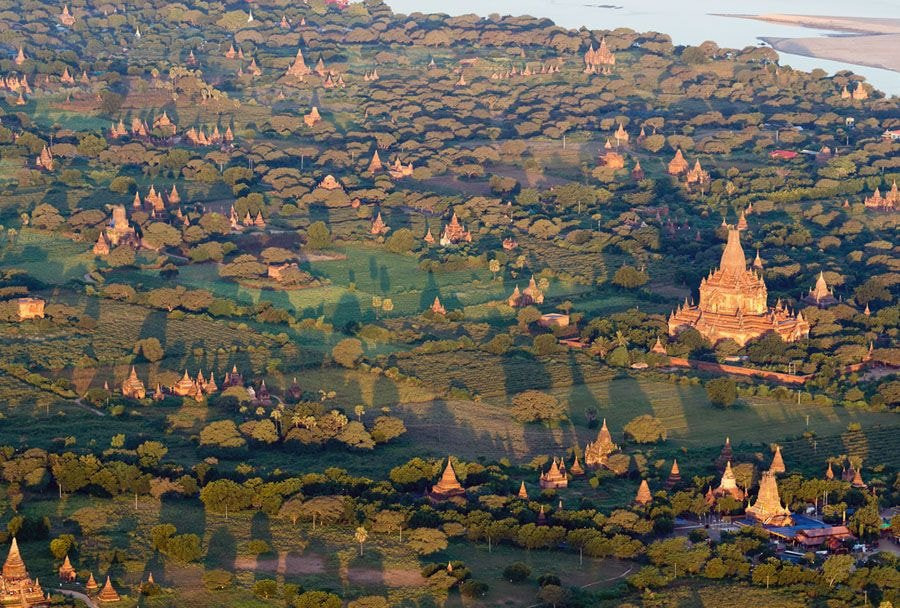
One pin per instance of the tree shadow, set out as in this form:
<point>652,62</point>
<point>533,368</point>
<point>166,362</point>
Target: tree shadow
<point>222,551</point>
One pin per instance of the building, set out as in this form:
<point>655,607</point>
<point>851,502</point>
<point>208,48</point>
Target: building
<point>643,497</point>
<point>398,170</point>
<point>888,202</point>
<point>725,456</point>
<point>375,164</point>
<point>66,571</point>
<point>674,476</point>
<point>17,589</point>
<point>119,231</point>
<point>438,308</point>
<point>448,488</point>
<point>108,593</point>
<point>233,378</point>
<point>678,165</point>
<point>526,297</point>
<point>728,485</point>
<point>555,476</point>
<point>329,183</point>
<point>66,18</point>
<point>523,492</point>
<point>30,308</point>
<point>820,295</point>
<point>378,226</point>
<point>298,68</point>
<point>597,452</point>
<point>768,508</point>
<point>132,387</point>
<point>697,175</point>
<point>455,232</point>
<point>600,61</point>
<point>554,319</point>
<point>313,117</point>
<point>733,304</point>
<point>777,467</point>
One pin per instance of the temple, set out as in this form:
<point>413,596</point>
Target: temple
<point>768,508</point>
<point>526,297</point>
<point>643,497</point>
<point>108,593</point>
<point>697,175</point>
<point>555,476</point>
<point>378,226</point>
<point>438,308</point>
<point>728,485</point>
<point>777,466</point>
<point>888,202</point>
<point>66,18</point>
<point>30,308</point>
<point>66,571</point>
<point>600,61</point>
<point>733,304</point>
<point>133,387</point>
<point>448,488</point>
<point>597,452</point>
<point>455,232</point>
<point>678,165</point>
<point>820,295</point>
<point>17,590</point>
<point>523,492</point>
<point>674,476</point>
<point>725,456</point>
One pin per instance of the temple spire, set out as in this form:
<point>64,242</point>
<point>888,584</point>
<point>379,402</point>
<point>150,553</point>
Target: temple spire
<point>733,259</point>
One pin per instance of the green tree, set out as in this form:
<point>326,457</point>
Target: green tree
<point>645,429</point>
<point>347,352</point>
<point>318,236</point>
<point>630,277</point>
<point>533,406</point>
<point>721,392</point>
<point>317,599</point>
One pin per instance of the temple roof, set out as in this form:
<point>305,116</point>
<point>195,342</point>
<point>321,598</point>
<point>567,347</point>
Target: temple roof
<point>733,259</point>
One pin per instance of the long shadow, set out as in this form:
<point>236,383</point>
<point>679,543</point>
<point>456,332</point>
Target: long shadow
<point>260,527</point>
<point>347,312</point>
<point>186,518</point>
<point>222,551</point>
<point>154,326</point>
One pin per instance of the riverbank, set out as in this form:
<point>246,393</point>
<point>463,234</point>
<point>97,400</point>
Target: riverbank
<point>869,41</point>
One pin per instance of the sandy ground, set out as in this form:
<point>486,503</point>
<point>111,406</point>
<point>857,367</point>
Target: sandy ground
<point>873,42</point>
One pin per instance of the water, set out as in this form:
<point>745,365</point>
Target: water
<point>687,22</point>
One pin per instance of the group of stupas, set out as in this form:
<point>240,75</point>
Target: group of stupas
<point>196,388</point>
<point>889,202</point>
<point>19,590</point>
<point>599,61</point>
<point>298,71</point>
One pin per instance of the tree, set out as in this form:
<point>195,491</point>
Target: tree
<point>347,352</point>
<point>151,452</point>
<point>426,541</point>
<point>401,241</point>
<point>361,536</point>
<point>532,406</point>
<point>318,236</point>
<point>552,594</point>
<point>387,428</point>
<point>369,601</point>
<point>61,545</point>
<point>184,548</point>
<point>150,349</point>
<point>544,344</point>
<point>836,569</point>
<point>265,588</point>
<point>517,572</point>
<point>222,433</point>
<point>224,495</point>
<point>721,392</point>
<point>630,277</point>
<point>645,429</point>
<point>317,599</point>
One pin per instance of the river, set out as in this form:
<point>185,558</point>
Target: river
<point>687,22</point>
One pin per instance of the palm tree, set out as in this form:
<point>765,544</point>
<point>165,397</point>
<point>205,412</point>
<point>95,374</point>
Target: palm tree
<point>361,537</point>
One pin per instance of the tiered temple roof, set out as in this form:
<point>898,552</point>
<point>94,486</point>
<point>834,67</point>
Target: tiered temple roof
<point>733,304</point>
<point>728,485</point>
<point>768,508</point>
<point>889,201</point>
<point>678,165</point>
<point>555,476</point>
<point>820,295</point>
<point>599,61</point>
<point>17,589</point>
<point>674,476</point>
<point>455,232</point>
<point>108,593</point>
<point>597,452</point>
<point>643,497</point>
<point>448,488</point>
<point>777,466</point>
<point>133,387</point>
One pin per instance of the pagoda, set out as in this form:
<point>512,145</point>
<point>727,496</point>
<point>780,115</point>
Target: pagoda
<point>298,68</point>
<point>777,466</point>
<point>829,473</point>
<point>17,589</point>
<point>20,58</point>
<point>678,165</point>
<point>428,238</point>
<point>132,387</point>
<point>576,469</point>
<point>523,493</point>
<point>674,476</point>
<point>728,485</point>
<point>448,488</point>
<point>438,308</point>
<point>621,134</point>
<point>329,183</point>
<point>398,170</point>
<point>455,232</point>
<point>697,175</point>
<point>554,477</point>
<point>888,202</point>
<point>66,571</point>
<point>820,295</point>
<point>725,456</point>
<point>186,387</point>
<point>375,164</point>
<point>643,497</point>
<point>108,593</point>
<point>733,304</point>
<point>45,159</point>
<point>378,226</point>
<point>174,197</point>
<point>66,18</point>
<point>600,61</point>
<point>859,92</point>
<point>637,174</point>
<point>120,231</point>
<point>658,347</point>
<point>526,297</point>
<point>91,586</point>
<point>597,453</point>
<point>313,117</point>
<point>233,378</point>
<point>768,508</point>
<point>101,247</point>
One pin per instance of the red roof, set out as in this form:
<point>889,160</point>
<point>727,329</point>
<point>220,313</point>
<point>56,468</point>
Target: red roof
<point>783,154</point>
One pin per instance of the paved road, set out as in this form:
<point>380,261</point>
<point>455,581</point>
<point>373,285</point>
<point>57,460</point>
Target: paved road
<point>78,596</point>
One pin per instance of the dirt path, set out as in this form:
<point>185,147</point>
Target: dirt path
<point>314,563</point>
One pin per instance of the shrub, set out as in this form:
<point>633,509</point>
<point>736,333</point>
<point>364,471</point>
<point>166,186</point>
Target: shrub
<point>517,572</point>
<point>645,429</point>
<point>722,392</point>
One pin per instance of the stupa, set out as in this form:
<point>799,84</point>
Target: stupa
<point>643,497</point>
<point>17,589</point>
<point>820,295</point>
<point>554,477</point>
<point>597,452</point>
<point>448,488</point>
<point>768,508</point>
<point>132,387</point>
<point>728,485</point>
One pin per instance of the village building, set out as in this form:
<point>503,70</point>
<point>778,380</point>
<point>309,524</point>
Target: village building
<point>820,295</point>
<point>30,308</point>
<point>597,452</point>
<point>448,488</point>
<point>17,589</point>
<point>555,476</point>
<point>133,387</point>
<point>768,509</point>
<point>733,304</point>
<point>454,233</point>
<point>526,297</point>
<point>643,497</point>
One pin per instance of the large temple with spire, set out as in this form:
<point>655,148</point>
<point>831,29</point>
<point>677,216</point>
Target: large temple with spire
<point>17,589</point>
<point>733,304</point>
